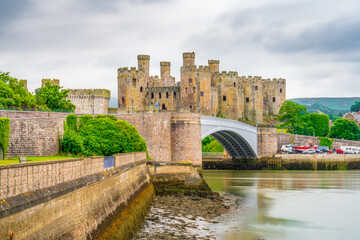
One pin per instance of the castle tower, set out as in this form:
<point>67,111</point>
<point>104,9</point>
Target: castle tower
<point>53,81</point>
<point>24,81</point>
<point>143,62</point>
<point>188,59</point>
<point>214,65</point>
<point>165,76</point>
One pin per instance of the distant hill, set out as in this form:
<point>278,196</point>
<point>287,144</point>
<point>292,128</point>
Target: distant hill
<point>333,106</point>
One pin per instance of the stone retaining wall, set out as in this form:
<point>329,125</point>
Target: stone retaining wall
<point>29,177</point>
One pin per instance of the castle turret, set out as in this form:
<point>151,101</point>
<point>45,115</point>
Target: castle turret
<point>143,63</point>
<point>166,79</point>
<point>214,65</point>
<point>188,59</point>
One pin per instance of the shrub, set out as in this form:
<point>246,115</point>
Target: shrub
<point>84,119</point>
<point>4,135</point>
<point>72,143</point>
<point>71,122</point>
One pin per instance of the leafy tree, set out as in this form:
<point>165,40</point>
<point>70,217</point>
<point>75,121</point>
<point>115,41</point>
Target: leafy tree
<point>210,144</point>
<point>324,141</point>
<point>54,98</point>
<point>346,129</point>
<point>355,107</point>
<point>320,123</point>
<point>290,114</point>
<point>13,94</point>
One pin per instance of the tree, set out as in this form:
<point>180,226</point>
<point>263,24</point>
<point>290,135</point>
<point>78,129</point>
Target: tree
<point>54,98</point>
<point>320,123</point>
<point>13,94</point>
<point>346,129</point>
<point>290,114</point>
<point>355,107</point>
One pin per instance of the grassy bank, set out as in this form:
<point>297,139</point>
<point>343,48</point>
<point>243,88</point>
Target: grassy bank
<point>34,159</point>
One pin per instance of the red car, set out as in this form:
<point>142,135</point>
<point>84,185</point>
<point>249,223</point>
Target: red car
<point>339,151</point>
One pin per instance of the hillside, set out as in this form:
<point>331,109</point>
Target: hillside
<point>333,106</point>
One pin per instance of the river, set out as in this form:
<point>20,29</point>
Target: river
<point>289,204</point>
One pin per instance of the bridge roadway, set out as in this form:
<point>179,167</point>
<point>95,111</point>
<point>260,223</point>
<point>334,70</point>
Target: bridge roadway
<point>239,139</point>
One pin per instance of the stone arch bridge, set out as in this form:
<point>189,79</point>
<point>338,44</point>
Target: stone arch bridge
<point>239,139</point>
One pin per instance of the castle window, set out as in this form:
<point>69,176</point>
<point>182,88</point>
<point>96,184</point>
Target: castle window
<point>234,84</point>
<point>224,98</point>
<point>147,85</point>
<point>159,94</point>
<point>141,89</point>
<point>193,89</point>
<point>152,95</point>
<point>186,90</point>
<point>190,108</point>
<point>202,93</point>
<point>247,99</point>
<point>273,99</point>
<point>174,94</point>
<point>167,95</point>
<point>280,90</point>
<point>123,100</point>
<point>190,91</point>
<point>134,81</point>
<point>256,88</point>
<point>190,80</point>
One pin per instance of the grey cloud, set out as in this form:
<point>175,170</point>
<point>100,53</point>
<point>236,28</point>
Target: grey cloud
<point>335,36</point>
<point>10,10</point>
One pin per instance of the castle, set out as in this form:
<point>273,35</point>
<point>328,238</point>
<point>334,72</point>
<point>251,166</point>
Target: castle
<point>202,89</point>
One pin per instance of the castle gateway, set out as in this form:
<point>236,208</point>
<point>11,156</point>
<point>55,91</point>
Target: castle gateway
<point>201,89</point>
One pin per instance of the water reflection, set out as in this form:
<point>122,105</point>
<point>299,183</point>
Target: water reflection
<point>290,204</point>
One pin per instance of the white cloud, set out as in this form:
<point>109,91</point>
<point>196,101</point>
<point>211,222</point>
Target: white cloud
<point>83,42</point>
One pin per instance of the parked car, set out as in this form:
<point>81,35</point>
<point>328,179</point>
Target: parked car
<point>287,148</point>
<point>340,151</point>
<point>309,151</point>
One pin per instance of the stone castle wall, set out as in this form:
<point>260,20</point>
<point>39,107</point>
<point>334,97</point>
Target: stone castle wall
<point>170,137</point>
<point>35,136</point>
<point>89,100</point>
<point>31,114</point>
<point>201,89</point>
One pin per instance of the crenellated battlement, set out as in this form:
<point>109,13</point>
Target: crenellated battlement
<point>54,81</point>
<point>202,88</point>
<point>89,93</point>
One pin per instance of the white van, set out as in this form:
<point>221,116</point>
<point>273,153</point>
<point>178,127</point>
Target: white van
<point>350,149</point>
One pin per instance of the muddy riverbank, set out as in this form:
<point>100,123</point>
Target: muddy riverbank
<point>187,217</point>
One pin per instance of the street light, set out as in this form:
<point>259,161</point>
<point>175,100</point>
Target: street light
<point>132,106</point>
<point>37,95</point>
<point>93,105</point>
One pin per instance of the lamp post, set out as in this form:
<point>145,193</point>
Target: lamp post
<point>132,106</point>
<point>37,96</point>
<point>93,105</point>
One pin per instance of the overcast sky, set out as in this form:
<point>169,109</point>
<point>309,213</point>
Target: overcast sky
<point>313,44</point>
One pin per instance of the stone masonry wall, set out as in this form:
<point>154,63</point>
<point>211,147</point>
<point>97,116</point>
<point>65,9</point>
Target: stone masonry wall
<point>267,139</point>
<point>31,114</point>
<point>284,139</point>
<point>35,136</point>
<point>85,103</point>
<point>77,213</point>
<point>29,177</point>
<point>169,136</point>
<point>186,138</point>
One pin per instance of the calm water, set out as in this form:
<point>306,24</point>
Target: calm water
<point>290,204</point>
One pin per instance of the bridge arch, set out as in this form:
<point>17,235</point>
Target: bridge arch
<point>239,139</point>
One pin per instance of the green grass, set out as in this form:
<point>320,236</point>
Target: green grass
<point>35,159</point>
